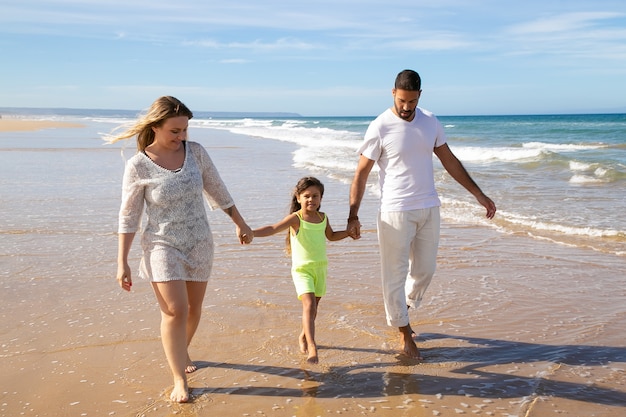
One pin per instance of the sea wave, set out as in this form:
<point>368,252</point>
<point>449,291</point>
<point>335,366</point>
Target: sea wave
<point>562,147</point>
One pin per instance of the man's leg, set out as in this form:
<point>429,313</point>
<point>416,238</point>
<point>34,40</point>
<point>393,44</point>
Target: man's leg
<point>395,234</point>
<point>423,256</point>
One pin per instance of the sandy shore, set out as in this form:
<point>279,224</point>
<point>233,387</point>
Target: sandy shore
<point>17,125</point>
<point>511,326</point>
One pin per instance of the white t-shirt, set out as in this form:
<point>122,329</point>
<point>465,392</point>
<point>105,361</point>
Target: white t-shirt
<point>404,154</point>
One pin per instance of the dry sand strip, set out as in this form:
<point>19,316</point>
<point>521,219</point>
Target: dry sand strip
<point>16,125</point>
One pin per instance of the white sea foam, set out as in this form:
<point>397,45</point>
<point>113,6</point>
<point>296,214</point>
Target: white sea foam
<point>507,154</point>
<point>585,179</point>
<point>561,147</point>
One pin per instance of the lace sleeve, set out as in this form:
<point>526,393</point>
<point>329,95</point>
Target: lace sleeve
<point>131,209</point>
<point>215,190</point>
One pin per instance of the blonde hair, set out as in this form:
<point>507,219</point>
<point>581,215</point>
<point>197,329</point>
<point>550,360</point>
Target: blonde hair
<point>163,108</point>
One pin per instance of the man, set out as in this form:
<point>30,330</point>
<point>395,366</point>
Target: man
<point>401,141</point>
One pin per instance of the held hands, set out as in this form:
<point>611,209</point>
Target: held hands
<point>354,228</point>
<point>245,234</point>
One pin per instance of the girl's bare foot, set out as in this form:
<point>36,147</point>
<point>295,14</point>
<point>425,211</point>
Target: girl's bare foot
<point>302,342</point>
<point>180,393</point>
<point>312,358</point>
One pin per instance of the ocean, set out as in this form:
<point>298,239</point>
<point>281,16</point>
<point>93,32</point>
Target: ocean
<point>560,178</point>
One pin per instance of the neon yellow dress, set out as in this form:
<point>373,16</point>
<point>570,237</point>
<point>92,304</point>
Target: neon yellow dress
<point>308,257</point>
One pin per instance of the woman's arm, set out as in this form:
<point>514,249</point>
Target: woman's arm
<point>125,241</point>
<point>243,230</point>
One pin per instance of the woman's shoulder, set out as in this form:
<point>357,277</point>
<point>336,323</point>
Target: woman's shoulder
<point>194,146</point>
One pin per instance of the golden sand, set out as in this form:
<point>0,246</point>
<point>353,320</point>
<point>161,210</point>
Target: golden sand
<point>15,125</point>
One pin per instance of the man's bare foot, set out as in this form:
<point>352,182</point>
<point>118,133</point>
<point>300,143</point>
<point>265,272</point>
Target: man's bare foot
<point>412,332</point>
<point>180,393</point>
<point>409,348</point>
<point>302,342</point>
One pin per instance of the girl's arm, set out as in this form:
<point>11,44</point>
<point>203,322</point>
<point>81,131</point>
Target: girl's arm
<point>332,235</point>
<point>291,220</point>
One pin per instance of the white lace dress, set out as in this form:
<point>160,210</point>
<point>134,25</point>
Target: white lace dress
<point>176,239</point>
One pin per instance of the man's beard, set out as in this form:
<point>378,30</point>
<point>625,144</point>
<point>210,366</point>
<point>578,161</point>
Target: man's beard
<point>405,115</point>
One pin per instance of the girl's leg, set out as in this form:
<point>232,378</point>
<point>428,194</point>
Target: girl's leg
<point>307,337</point>
<point>195,295</point>
<point>174,304</point>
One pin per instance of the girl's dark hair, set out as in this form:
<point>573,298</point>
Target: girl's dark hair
<point>300,187</point>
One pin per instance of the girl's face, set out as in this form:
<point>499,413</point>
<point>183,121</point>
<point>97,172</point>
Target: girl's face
<point>311,198</point>
<point>172,132</point>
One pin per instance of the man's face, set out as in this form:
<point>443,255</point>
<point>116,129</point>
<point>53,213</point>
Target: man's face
<point>405,102</point>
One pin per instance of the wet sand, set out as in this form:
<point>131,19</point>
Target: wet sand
<point>511,326</point>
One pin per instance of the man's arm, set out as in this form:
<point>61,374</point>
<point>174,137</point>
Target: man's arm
<point>357,190</point>
<point>456,169</point>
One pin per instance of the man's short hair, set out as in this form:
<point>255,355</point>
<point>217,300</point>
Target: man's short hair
<point>408,80</point>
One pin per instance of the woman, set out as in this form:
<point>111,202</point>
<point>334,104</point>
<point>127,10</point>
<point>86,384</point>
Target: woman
<point>169,176</point>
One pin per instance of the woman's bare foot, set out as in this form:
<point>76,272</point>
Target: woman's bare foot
<point>302,342</point>
<point>180,393</point>
<point>191,367</point>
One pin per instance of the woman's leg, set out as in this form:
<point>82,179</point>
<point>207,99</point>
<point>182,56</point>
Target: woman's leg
<point>195,295</point>
<point>173,301</point>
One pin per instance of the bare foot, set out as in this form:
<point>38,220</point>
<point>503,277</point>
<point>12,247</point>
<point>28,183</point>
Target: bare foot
<point>409,348</point>
<point>180,393</point>
<point>191,367</point>
<point>302,342</point>
<point>312,358</point>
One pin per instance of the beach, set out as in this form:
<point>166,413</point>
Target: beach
<point>15,125</point>
<point>511,325</point>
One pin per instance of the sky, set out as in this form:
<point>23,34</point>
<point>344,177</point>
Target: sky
<point>315,58</point>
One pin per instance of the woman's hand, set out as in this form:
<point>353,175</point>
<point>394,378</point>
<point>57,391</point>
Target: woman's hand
<point>123,277</point>
<point>245,234</point>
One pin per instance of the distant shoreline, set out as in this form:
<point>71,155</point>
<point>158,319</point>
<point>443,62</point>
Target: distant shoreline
<point>61,111</point>
<point>125,113</point>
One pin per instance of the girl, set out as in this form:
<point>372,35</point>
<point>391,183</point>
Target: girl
<point>169,175</point>
<point>308,230</point>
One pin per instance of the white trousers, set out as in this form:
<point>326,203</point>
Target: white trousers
<point>408,256</point>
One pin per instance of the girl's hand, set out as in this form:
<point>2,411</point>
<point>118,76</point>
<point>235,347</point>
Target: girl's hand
<point>123,277</point>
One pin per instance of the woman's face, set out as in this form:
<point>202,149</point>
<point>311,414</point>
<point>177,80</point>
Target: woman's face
<point>172,132</point>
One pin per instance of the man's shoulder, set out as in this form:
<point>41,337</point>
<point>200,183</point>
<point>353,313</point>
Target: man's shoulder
<point>426,113</point>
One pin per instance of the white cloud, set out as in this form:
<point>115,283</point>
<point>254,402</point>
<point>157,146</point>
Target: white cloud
<point>567,22</point>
